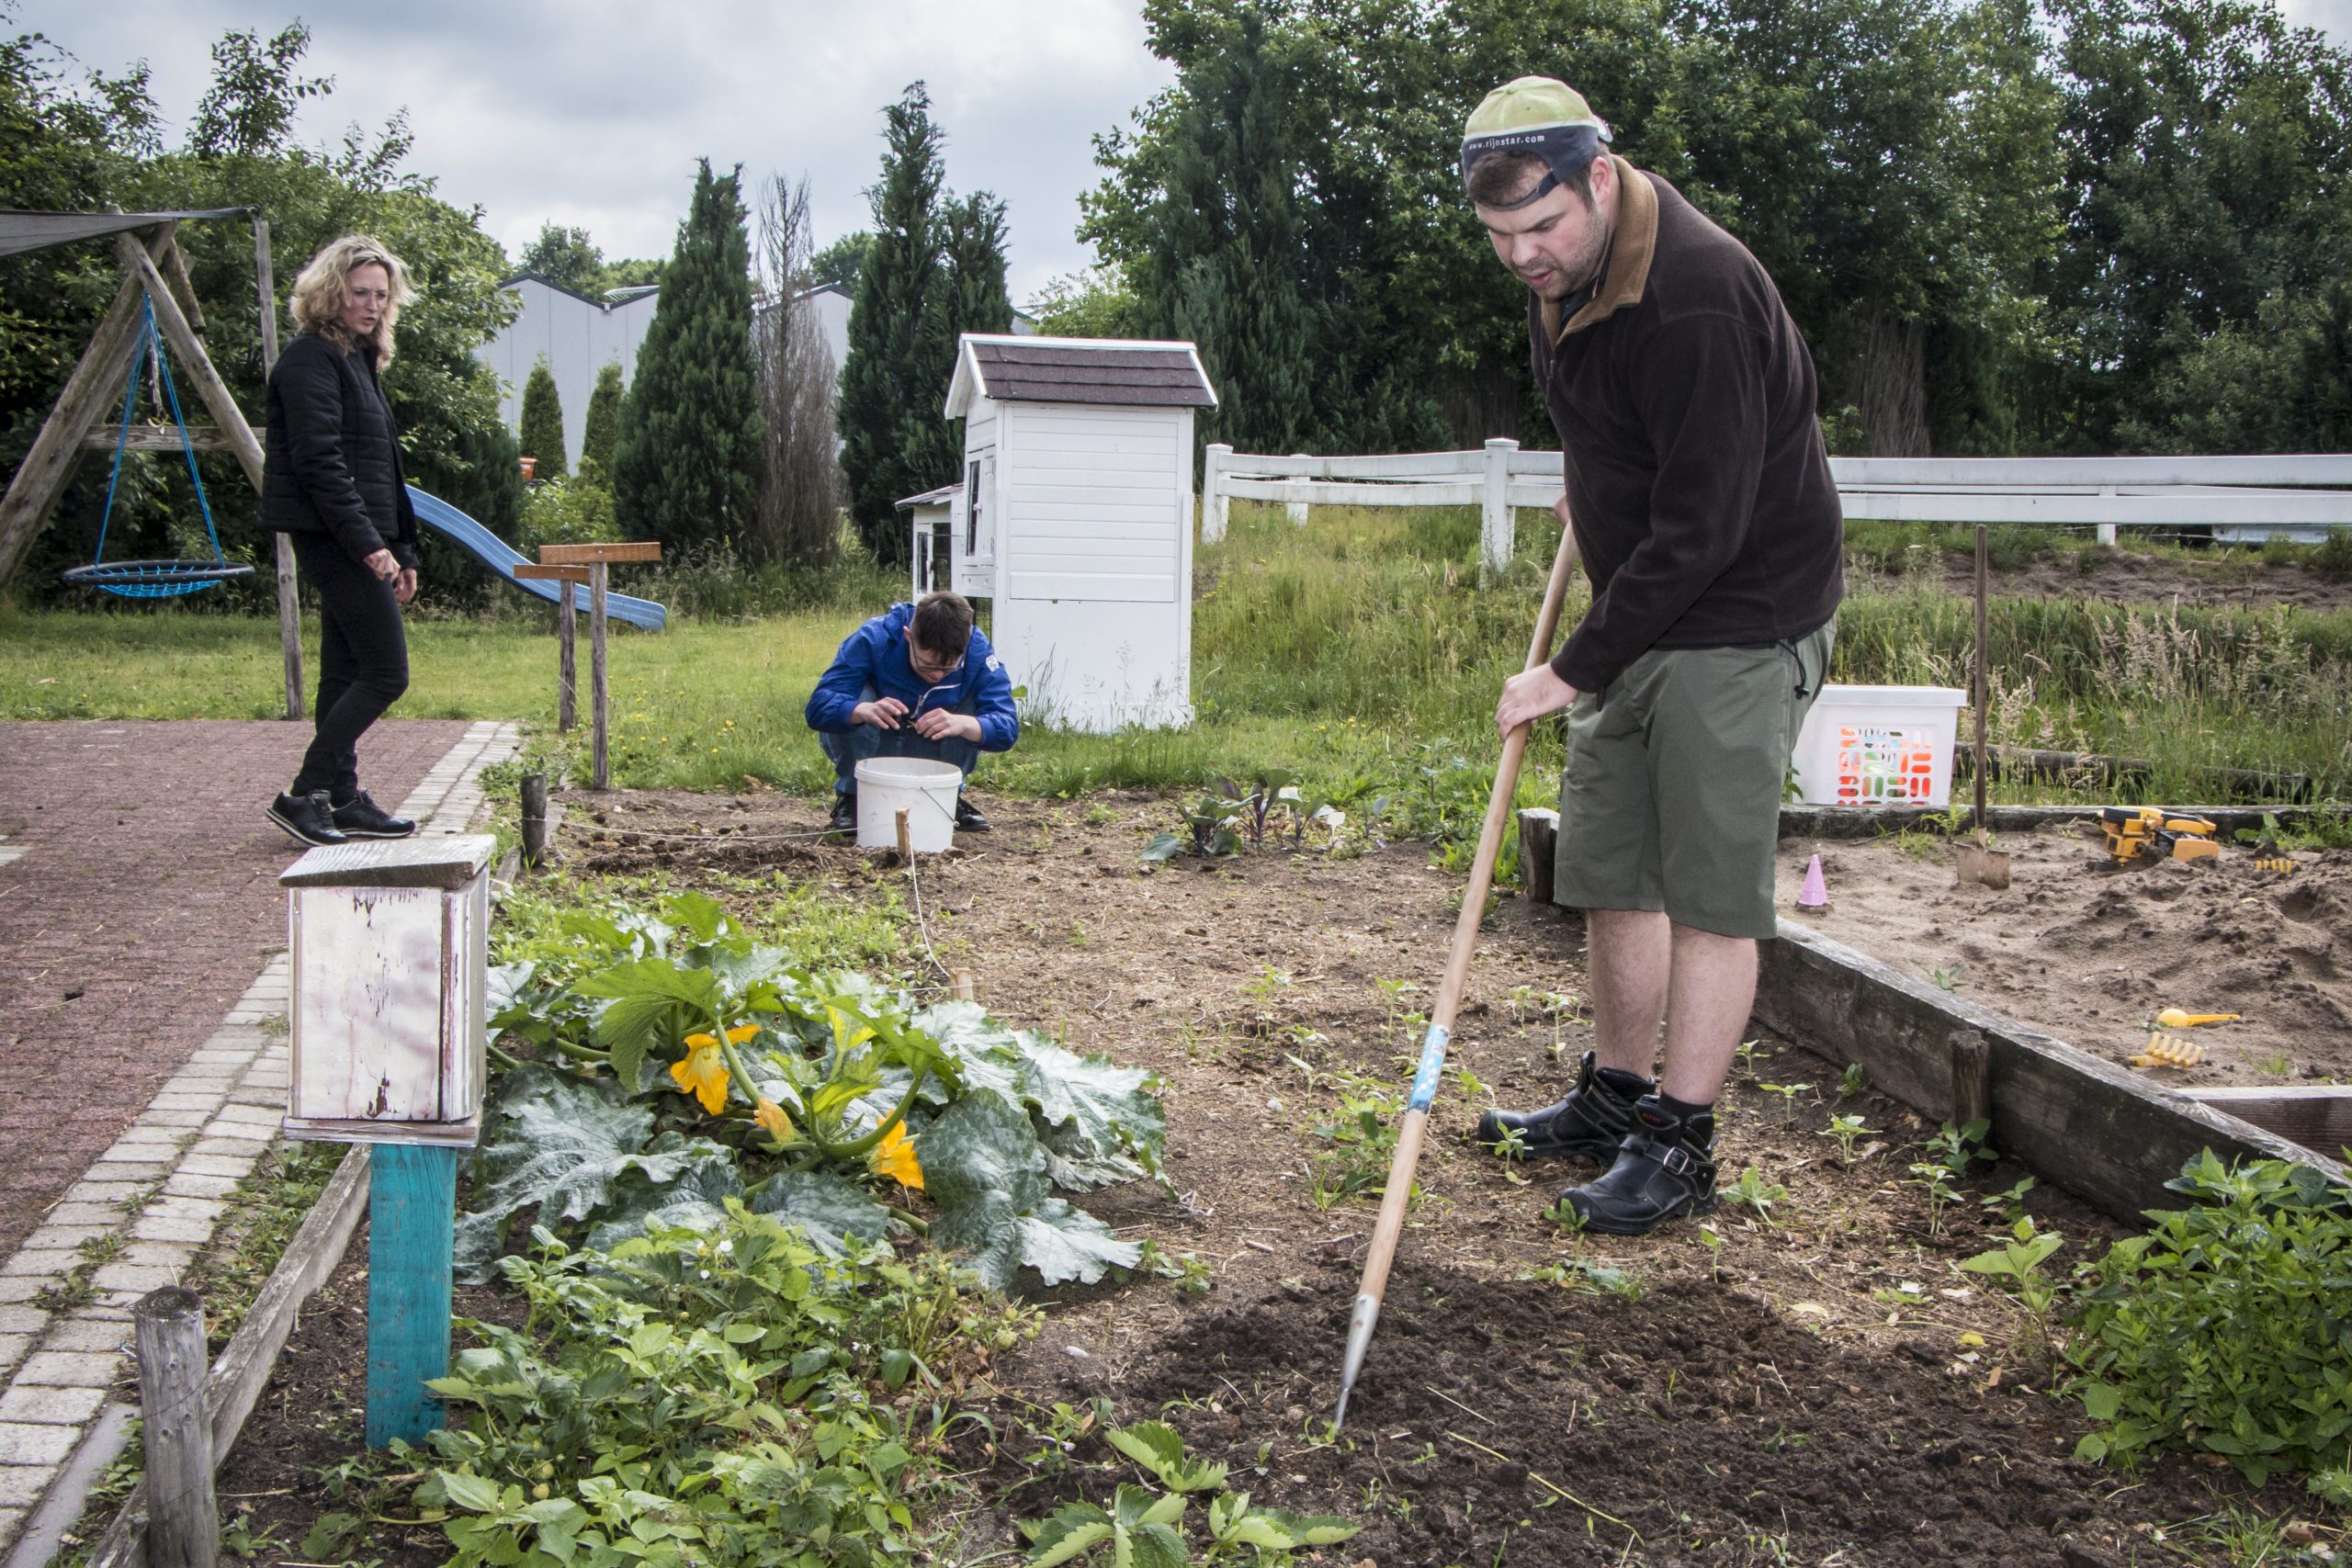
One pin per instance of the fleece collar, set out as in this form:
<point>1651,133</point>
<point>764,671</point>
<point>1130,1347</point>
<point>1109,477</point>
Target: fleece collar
<point>1627,270</point>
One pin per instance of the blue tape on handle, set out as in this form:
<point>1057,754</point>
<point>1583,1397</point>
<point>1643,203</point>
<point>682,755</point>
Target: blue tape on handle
<point>1432,1064</point>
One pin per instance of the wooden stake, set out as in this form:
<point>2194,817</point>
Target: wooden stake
<point>411,1212</point>
<point>1972,1080</point>
<point>567,663</point>
<point>1539,834</point>
<point>961,985</point>
<point>906,837</point>
<point>96,380</point>
<point>184,1516</point>
<point>1409,1131</point>
<point>289,608</point>
<point>535,816</point>
<point>601,776</point>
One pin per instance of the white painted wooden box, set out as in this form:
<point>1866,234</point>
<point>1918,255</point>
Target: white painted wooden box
<point>390,943</point>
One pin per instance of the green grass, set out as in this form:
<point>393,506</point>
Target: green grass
<point>1360,652</point>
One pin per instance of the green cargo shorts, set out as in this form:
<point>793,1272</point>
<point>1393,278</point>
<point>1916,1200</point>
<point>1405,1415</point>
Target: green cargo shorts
<point>1671,796</point>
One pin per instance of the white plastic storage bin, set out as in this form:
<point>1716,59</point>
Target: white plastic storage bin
<point>1878,746</point>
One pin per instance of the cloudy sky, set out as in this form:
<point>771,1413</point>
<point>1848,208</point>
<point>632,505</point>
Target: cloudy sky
<point>591,113</point>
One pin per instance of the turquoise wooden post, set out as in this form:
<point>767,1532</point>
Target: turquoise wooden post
<point>411,1206</point>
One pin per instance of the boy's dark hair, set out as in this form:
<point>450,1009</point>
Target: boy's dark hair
<point>1498,179</point>
<point>943,624</point>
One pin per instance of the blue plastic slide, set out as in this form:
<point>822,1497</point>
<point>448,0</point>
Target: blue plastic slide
<point>503,559</point>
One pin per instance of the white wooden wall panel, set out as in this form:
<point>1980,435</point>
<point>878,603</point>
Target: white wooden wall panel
<point>370,1003</point>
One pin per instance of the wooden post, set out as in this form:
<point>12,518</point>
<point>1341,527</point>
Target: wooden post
<point>598,694</point>
<point>1539,835</point>
<point>568,581</point>
<point>289,610</point>
<point>183,1515</point>
<point>961,987</point>
<point>906,840</point>
<point>566,662</point>
<point>534,814</point>
<point>96,380</point>
<point>411,1211</point>
<point>1215,502</point>
<point>1497,526</point>
<point>597,558</point>
<point>198,364</point>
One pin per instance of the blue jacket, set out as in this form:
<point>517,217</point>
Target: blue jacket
<point>876,655</point>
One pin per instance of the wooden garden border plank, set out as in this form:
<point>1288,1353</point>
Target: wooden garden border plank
<point>2095,1128</point>
<point>236,1379</point>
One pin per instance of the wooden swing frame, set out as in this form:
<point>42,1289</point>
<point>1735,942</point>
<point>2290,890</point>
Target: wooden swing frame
<point>83,417</point>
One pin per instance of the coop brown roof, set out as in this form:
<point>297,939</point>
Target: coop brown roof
<point>1040,370</point>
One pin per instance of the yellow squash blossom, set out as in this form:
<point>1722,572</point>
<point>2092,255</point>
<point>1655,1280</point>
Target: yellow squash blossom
<point>701,1072</point>
<point>895,1157</point>
<point>774,1122</point>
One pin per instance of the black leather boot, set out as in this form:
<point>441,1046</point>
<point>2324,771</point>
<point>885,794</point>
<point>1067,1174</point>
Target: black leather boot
<point>361,818</point>
<point>309,818</point>
<point>1665,1170</point>
<point>844,818</point>
<point>970,818</point>
<point>1588,1124</point>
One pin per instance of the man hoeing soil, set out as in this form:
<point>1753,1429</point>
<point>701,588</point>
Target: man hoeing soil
<point>1705,515</point>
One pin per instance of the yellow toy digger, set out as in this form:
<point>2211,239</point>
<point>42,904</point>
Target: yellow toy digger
<point>2132,829</point>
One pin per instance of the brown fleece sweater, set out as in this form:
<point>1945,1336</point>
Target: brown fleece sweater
<point>1697,480</point>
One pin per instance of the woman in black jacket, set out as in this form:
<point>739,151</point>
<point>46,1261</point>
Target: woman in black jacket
<point>333,484</point>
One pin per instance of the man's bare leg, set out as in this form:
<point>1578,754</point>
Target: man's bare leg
<point>1629,955</point>
<point>1710,992</point>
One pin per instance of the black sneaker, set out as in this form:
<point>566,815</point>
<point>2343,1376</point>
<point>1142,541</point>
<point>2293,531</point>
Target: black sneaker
<point>1664,1170</point>
<point>1588,1124</point>
<point>309,818</point>
<point>969,817</point>
<point>844,818</point>
<point>361,818</point>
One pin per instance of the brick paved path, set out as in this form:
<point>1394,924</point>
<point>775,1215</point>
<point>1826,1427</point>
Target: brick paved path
<point>140,903</point>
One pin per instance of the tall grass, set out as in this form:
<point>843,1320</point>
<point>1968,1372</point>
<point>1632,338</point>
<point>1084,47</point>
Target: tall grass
<point>1359,652</point>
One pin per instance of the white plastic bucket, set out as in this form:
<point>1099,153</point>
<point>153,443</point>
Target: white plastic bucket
<point>1878,746</point>
<point>923,789</point>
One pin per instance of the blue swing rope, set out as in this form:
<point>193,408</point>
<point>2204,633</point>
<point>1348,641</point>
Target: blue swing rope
<point>155,579</point>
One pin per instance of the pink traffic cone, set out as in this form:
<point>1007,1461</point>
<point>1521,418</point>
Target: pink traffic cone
<point>1815,892</point>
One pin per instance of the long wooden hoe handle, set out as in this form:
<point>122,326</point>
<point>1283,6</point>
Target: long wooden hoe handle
<point>1383,1252</point>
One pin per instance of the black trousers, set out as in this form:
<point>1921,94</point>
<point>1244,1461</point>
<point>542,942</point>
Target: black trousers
<point>362,662</point>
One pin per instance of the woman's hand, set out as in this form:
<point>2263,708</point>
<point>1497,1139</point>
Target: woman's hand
<point>383,564</point>
<point>404,585</point>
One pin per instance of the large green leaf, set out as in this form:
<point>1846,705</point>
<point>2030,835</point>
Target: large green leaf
<point>826,1207</point>
<point>1098,1121</point>
<point>653,1002</point>
<point>1064,1536</point>
<point>983,1167</point>
<point>697,1197</point>
<point>559,1146</point>
<point>1156,1446</point>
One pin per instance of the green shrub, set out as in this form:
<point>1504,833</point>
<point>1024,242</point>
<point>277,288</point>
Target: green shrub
<point>567,511</point>
<point>2227,1328</point>
<point>2333,558</point>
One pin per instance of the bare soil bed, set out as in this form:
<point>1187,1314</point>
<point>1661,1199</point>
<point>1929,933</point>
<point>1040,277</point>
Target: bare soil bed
<point>1827,1388</point>
<point>2089,951</point>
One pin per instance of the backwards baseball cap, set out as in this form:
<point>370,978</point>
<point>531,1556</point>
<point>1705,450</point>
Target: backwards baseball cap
<point>1539,116</point>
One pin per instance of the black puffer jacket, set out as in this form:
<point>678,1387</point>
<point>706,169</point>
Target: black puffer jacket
<point>332,464</point>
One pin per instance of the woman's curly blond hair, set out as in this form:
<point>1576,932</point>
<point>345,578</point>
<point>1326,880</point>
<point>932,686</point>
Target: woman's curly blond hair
<point>320,292</point>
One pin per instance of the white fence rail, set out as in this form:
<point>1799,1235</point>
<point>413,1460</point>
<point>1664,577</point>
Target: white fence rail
<point>2238,497</point>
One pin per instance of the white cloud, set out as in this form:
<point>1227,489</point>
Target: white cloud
<point>593,113</point>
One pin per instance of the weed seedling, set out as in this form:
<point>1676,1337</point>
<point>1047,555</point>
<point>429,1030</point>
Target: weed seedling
<point>1945,976</point>
<point>1788,1093</point>
<point>1745,1056</point>
<point>1752,1192</point>
<point>1849,1082</point>
<point>1848,1131</point>
<point>1712,1239</point>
